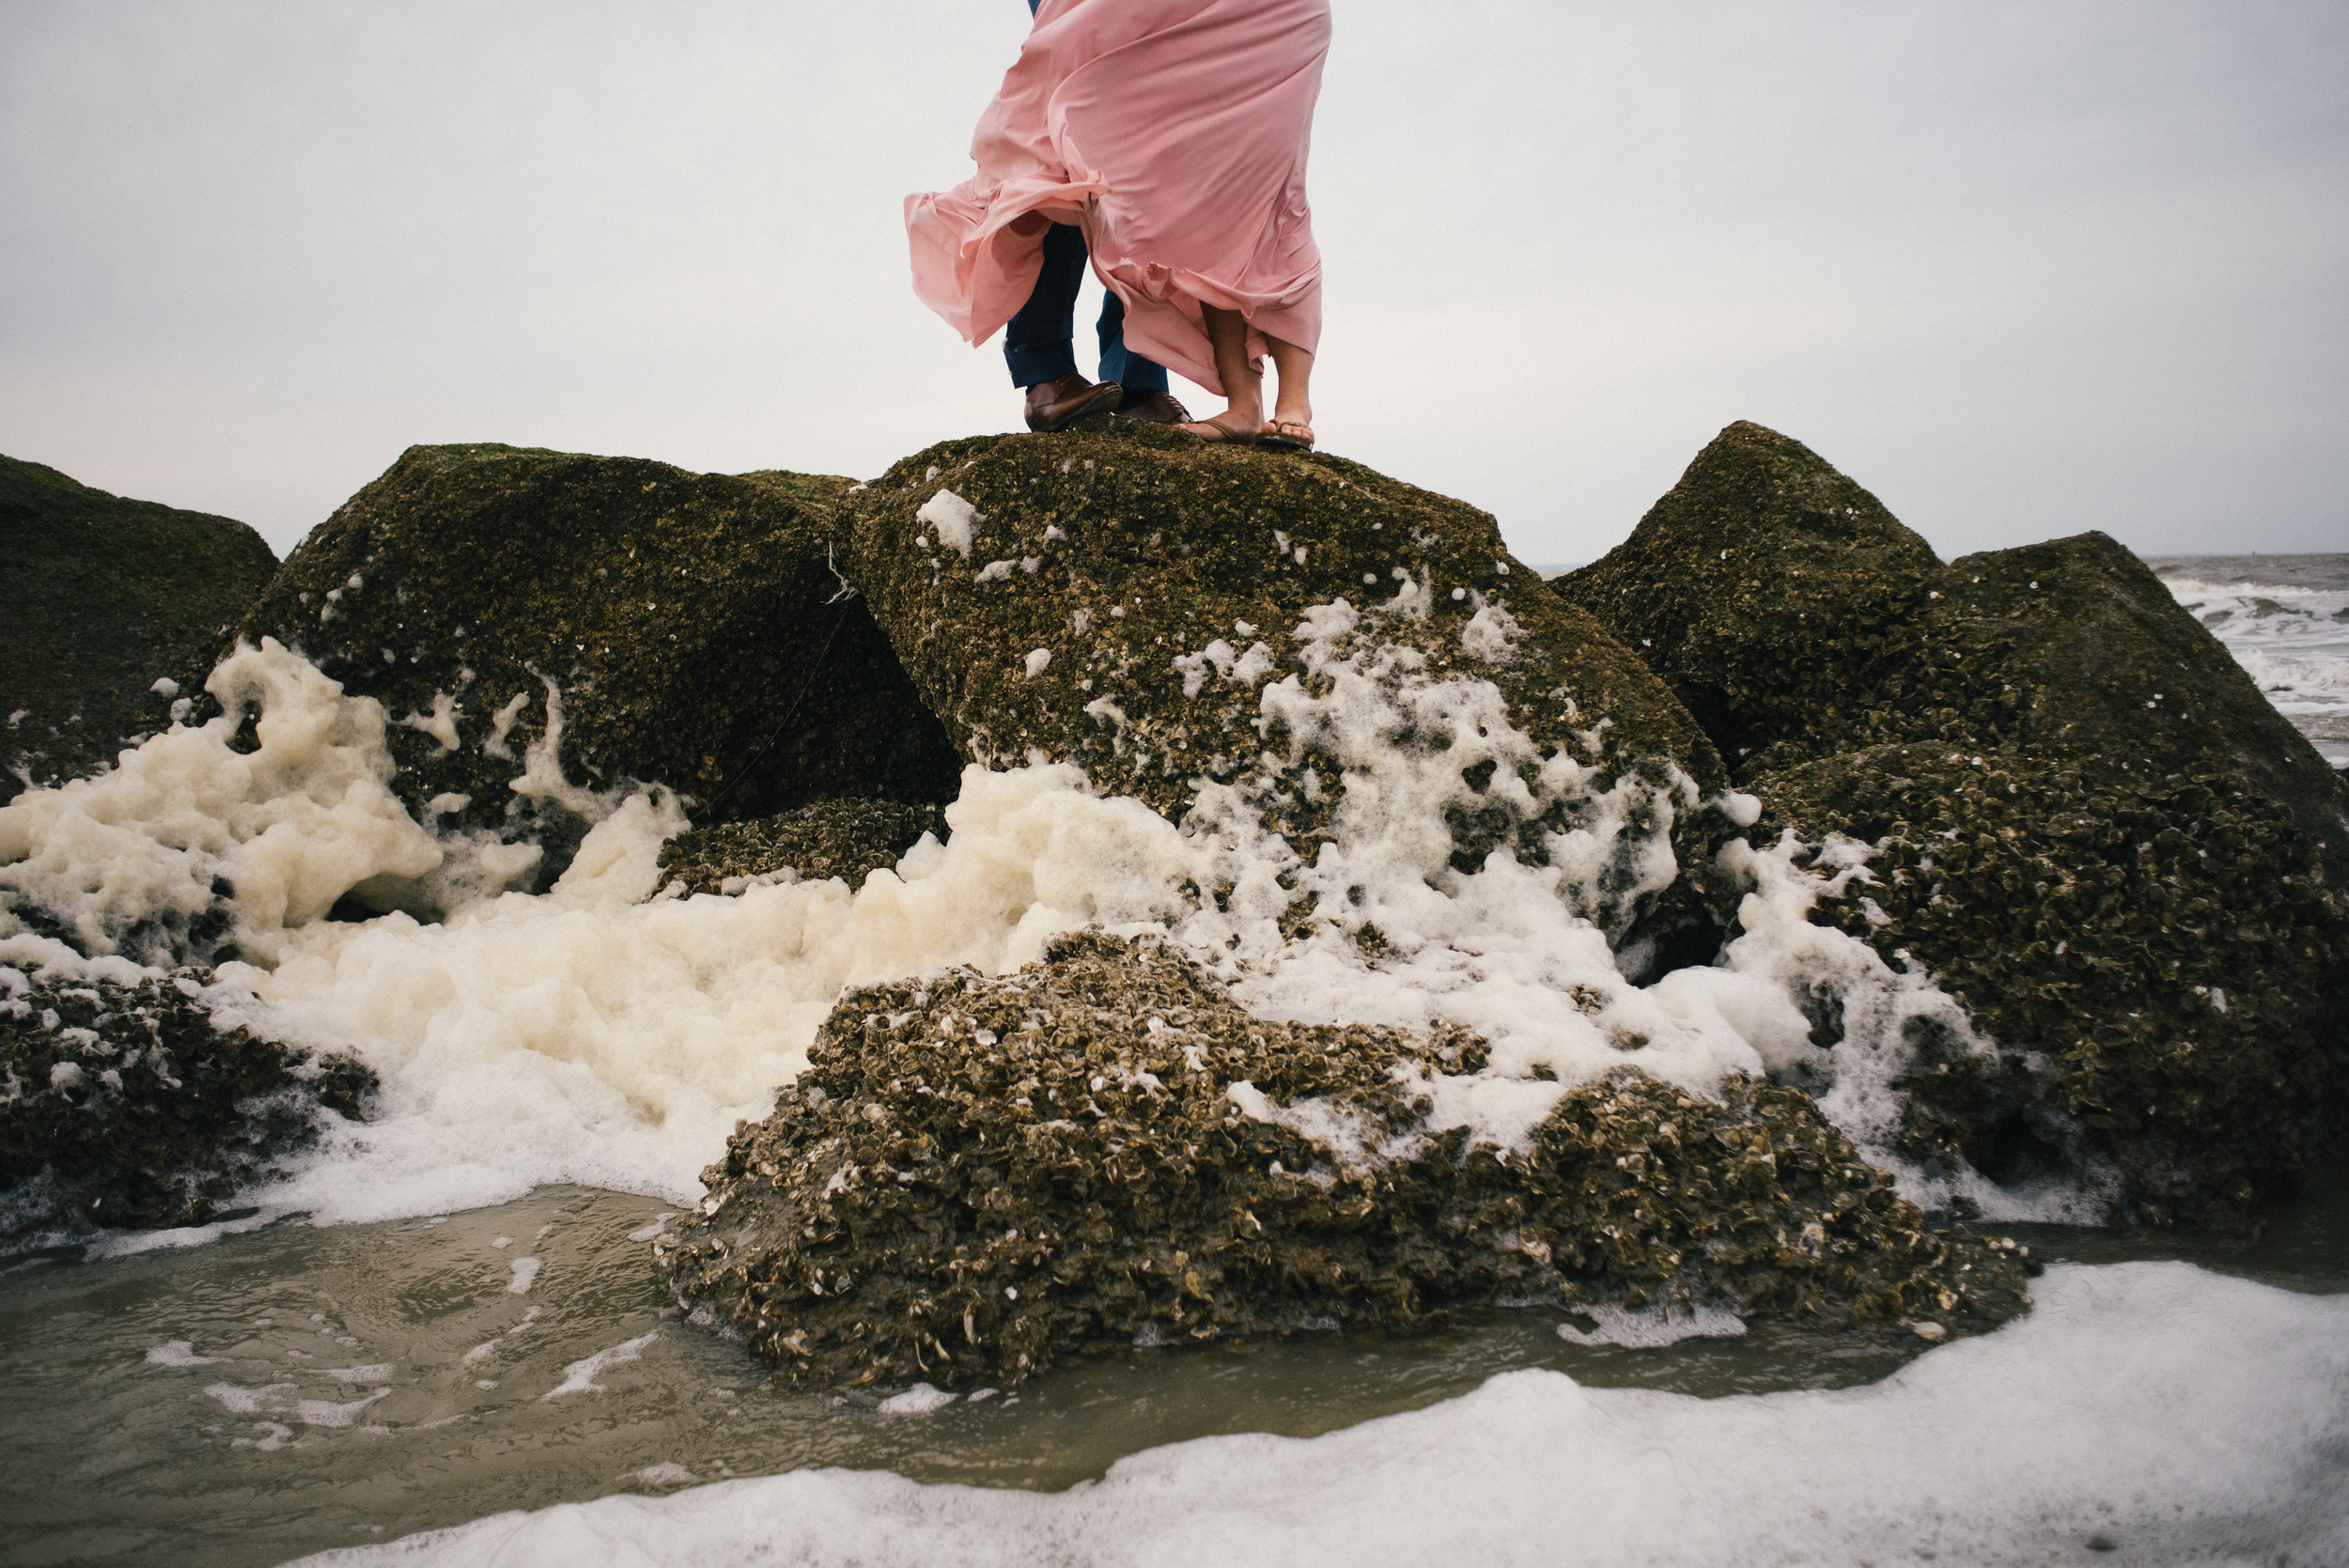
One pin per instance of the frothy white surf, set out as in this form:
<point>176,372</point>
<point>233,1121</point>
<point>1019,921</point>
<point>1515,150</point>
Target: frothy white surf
<point>605,1034</point>
<point>2177,1415</point>
<point>2292,641</point>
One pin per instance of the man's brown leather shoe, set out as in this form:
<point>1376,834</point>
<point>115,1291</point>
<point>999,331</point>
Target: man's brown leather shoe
<point>1160,407</point>
<point>1058,404</point>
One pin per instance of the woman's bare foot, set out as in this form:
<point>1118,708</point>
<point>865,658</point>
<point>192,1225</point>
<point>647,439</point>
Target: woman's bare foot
<point>1238,421</point>
<point>1292,422</point>
<point>1227,334</point>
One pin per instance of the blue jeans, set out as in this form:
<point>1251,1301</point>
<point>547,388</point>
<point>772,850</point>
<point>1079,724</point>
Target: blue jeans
<point>1039,345</point>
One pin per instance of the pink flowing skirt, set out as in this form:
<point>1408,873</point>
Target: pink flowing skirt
<point>1174,132</point>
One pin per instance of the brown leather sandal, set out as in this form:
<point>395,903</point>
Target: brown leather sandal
<point>1286,435</point>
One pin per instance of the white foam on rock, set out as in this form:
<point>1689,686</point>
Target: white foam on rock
<point>293,825</point>
<point>955,519</point>
<point>600,1035</point>
<point>1780,955</point>
<point>2180,1416</point>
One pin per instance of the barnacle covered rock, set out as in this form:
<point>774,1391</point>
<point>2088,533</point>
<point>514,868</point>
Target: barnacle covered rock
<point>2075,810</point>
<point>110,603</point>
<point>1169,615</point>
<point>978,1176</point>
<point>846,839</point>
<point>1765,588</point>
<point>123,1103</point>
<point>636,621</point>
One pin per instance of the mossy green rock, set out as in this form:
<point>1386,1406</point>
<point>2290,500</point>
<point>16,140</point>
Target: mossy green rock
<point>692,624</point>
<point>975,1177</point>
<point>2089,824</point>
<point>126,1107</point>
<point>1128,599</point>
<point>1760,589</point>
<point>105,597</point>
<point>2159,960</point>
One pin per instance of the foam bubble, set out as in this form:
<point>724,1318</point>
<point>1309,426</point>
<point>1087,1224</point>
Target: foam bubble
<point>580,1376</point>
<point>920,1400</point>
<point>1653,1328</point>
<point>280,1399</point>
<point>131,858</point>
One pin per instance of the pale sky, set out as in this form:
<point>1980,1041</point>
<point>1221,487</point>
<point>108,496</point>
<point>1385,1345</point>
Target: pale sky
<point>2021,269</point>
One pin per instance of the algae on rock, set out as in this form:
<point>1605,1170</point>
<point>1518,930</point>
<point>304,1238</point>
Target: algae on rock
<point>106,597</point>
<point>975,1177</point>
<point>1761,587</point>
<point>1178,618</point>
<point>127,1106</point>
<point>2085,821</point>
<point>688,630</point>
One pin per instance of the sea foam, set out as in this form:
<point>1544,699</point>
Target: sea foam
<point>610,1032</point>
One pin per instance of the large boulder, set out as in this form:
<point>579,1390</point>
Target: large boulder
<point>128,1106</point>
<point>1762,587</point>
<point>541,623</point>
<point>2077,813</point>
<point>977,1176</point>
<point>1228,634</point>
<point>106,597</point>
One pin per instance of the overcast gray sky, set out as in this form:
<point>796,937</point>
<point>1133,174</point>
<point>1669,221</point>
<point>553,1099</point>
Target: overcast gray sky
<point>2022,269</point>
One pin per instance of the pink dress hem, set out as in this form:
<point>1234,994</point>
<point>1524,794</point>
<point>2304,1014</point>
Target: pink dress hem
<point>1175,133</point>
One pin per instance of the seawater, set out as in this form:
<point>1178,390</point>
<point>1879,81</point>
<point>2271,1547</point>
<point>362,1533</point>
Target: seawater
<point>2286,620</point>
<point>446,1314</point>
<point>298,1388</point>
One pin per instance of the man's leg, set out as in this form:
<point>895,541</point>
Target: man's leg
<point>1037,343</point>
<point>1137,376</point>
<point>1144,380</point>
